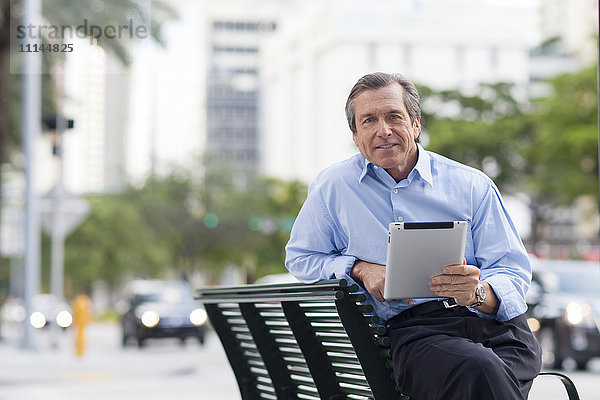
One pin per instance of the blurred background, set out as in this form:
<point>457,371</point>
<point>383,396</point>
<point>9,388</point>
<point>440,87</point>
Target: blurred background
<point>183,152</point>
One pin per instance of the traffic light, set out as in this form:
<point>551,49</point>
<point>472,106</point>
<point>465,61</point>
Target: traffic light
<point>211,220</point>
<point>255,223</point>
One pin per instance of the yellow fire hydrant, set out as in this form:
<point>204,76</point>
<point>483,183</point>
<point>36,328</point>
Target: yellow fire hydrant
<point>82,315</point>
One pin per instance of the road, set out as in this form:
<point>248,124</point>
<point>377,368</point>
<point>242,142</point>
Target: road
<point>162,370</point>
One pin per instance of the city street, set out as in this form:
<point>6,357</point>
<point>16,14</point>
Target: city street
<point>164,369</point>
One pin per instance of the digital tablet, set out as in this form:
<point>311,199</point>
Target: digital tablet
<point>418,251</point>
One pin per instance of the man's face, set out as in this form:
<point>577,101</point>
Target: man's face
<point>384,133</point>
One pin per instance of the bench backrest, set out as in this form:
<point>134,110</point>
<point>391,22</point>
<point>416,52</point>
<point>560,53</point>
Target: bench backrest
<point>290,341</point>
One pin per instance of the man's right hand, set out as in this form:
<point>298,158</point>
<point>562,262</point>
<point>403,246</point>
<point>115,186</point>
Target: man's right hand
<point>372,277</point>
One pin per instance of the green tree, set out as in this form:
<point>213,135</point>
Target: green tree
<point>253,223</point>
<point>488,131</point>
<point>547,148</point>
<point>563,155</point>
<point>168,208</point>
<point>114,242</point>
<point>172,224</point>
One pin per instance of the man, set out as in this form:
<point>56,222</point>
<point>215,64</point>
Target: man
<point>480,348</point>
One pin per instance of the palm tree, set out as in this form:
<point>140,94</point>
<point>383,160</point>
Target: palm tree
<point>63,13</point>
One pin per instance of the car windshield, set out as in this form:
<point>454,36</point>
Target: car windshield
<point>582,281</point>
<point>169,294</point>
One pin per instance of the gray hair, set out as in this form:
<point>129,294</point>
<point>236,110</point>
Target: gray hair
<point>379,80</point>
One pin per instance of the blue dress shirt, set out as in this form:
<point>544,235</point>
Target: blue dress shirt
<point>351,204</point>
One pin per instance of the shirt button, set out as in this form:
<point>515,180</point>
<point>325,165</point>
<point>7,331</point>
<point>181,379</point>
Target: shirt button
<point>395,191</point>
<point>400,219</point>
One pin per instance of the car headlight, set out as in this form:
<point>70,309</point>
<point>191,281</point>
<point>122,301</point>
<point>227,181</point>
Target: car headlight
<point>579,314</point>
<point>198,317</point>
<point>534,324</point>
<point>37,319</point>
<point>150,319</point>
<point>64,319</point>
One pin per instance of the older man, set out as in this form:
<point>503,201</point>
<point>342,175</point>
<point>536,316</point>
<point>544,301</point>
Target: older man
<point>479,348</point>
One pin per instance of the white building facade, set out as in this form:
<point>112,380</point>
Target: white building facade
<point>167,110</point>
<point>309,67</point>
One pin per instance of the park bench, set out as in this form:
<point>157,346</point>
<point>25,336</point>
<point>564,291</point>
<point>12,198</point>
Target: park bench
<point>306,341</point>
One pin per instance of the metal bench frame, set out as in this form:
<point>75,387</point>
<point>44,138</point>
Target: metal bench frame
<point>306,341</point>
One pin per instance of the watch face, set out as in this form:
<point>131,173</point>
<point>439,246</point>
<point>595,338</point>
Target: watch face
<point>480,293</point>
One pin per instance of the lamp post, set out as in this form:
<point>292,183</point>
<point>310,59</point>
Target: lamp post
<point>58,125</point>
<point>32,68</point>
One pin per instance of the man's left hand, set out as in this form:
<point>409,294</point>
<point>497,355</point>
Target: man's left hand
<point>458,281</point>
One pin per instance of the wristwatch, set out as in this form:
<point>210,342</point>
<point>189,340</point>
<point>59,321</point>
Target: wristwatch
<point>479,295</point>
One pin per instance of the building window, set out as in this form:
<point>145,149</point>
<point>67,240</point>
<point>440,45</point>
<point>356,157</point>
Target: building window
<point>494,58</point>
<point>244,26</point>
<point>407,55</point>
<point>460,58</point>
<point>372,55</point>
<point>235,49</point>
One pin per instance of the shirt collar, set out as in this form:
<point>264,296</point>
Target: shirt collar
<point>423,167</point>
<point>365,168</point>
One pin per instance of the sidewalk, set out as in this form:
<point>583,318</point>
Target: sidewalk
<point>162,370</point>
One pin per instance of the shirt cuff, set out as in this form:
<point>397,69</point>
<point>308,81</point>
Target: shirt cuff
<point>511,303</point>
<point>339,268</point>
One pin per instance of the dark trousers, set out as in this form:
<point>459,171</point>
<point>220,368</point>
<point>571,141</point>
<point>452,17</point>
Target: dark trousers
<point>454,354</point>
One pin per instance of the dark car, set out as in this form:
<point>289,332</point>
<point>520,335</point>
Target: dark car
<point>162,309</point>
<point>564,311</point>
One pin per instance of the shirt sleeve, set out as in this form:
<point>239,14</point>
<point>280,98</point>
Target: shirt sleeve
<point>312,253</point>
<point>501,255</point>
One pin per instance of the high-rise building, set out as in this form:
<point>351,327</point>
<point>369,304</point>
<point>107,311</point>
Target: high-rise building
<point>235,30</point>
<point>86,146</point>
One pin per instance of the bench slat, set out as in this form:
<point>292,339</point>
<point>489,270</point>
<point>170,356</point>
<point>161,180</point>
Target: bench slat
<point>309,392</point>
<point>376,373</point>
<point>270,352</point>
<point>245,378</point>
<point>339,349</point>
<point>347,368</point>
<point>328,328</point>
<point>354,379</point>
<point>361,390</point>
<point>316,357</point>
<point>253,298</point>
<point>343,358</point>
<point>279,287</point>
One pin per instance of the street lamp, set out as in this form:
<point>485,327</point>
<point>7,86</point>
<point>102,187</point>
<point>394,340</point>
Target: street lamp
<point>57,125</point>
<point>32,70</point>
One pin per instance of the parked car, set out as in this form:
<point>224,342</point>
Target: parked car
<point>46,310</point>
<point>564,311</point>
<point>161,309</point>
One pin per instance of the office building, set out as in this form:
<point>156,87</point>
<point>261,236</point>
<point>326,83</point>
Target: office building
<point>235,30</point>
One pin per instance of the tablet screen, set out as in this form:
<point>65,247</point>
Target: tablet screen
<point>418,251</point>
